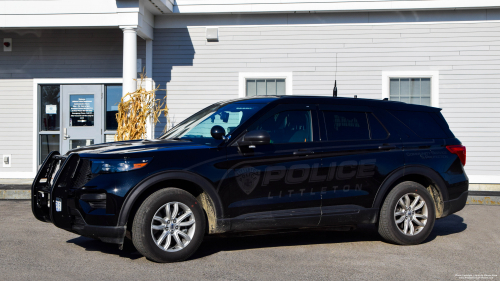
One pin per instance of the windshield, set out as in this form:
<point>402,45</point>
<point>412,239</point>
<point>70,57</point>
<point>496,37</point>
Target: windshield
<point>197,127</point>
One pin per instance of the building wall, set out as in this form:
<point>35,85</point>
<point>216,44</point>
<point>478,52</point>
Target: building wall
<point>48,53</point>
<point>16,125</point>
<point>466,54</point>
<point>64,53</point>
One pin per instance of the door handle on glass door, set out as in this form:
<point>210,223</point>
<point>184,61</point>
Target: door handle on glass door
<point>65,136</point>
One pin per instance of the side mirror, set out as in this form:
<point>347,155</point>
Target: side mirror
<point>217,132</point>
<point>258,137</point>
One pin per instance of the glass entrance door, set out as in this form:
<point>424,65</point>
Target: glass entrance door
<point>82,116</point>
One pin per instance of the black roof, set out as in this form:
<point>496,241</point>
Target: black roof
<point>386,104</point>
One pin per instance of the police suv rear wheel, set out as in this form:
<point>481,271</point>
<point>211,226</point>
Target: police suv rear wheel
<point>169,226</point>
<point>407,215</point>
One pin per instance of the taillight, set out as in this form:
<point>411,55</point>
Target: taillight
<point>459,150</point>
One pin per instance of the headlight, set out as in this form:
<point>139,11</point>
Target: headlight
<point>105,166</point>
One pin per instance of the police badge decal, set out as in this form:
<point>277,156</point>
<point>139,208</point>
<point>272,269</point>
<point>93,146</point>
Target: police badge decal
<point>247,178</point>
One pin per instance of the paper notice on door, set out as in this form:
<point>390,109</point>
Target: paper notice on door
<point>50,109</point>
<point>81,110</point>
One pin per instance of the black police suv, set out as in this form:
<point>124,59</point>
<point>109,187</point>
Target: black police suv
<point>280,162</point>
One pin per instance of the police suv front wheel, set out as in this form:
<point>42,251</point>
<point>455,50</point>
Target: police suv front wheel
<point>169,226</point>
<point>407,215</point>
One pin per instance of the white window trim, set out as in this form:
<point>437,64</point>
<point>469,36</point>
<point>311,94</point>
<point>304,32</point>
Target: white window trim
<point>434,75</point>
<point>59,81</point>
<point>243,76</point>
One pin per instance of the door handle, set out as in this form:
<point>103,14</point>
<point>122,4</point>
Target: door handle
<point>386,147</point>
<point>303,152</point>
<point>65,135</point>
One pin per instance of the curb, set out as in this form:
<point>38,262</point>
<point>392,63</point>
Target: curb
<point>15,194</point>
<point>483,198</point>
<point>491,198</point>
<point>480,200</point>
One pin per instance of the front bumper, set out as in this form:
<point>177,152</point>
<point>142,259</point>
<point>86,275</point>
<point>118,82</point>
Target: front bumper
<point>108,234</point>
<point>53,192</point>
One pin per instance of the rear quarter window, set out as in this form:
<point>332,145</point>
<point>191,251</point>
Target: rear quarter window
<point>424,124</point>
<point>344,125</point>
<point>347,125</point>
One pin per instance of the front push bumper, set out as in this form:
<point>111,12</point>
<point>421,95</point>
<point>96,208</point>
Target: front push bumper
<point>108,234</point>
<point>53,197</point>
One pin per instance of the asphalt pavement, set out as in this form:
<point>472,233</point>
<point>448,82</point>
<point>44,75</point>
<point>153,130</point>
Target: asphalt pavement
<point>463,246</point>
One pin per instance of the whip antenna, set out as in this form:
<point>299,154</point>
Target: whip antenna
<point>335,85</point>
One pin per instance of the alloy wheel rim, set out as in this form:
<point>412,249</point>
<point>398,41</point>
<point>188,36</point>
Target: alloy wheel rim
<point>410,214</point>
<point>173,226</point>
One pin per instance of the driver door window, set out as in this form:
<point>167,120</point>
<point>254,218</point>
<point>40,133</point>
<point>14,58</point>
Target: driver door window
<point>289,126</point>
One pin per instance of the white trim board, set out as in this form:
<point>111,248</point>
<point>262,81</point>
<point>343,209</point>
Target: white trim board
<point>283,19</point>
<point>288,76</point>
<point>59,81</point>
<point>68,20</point>
<point>239,6</point>
<point>434,75</point>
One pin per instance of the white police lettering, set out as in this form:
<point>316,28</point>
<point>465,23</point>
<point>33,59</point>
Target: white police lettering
<point>273,173</point>
<point>314,174</point>
<point>297,174</point>
<point>248,177</point>
<point>322,190</point>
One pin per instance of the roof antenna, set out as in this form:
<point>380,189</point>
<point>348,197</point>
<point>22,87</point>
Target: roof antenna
<point>335,85</point>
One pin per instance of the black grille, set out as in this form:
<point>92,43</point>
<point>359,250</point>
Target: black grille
<point>83,174</point>
<point>76,175</point>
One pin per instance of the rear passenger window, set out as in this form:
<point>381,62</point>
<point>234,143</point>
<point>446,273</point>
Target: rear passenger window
<point>377,130</point>
<point>422,123</point>
<point>345,125</point>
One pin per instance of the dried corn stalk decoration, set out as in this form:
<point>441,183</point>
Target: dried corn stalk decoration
<point>137,109</point>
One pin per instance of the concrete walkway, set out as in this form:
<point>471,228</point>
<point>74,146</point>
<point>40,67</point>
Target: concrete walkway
<point>15,188</point>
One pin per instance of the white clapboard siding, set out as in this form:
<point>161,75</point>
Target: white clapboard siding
<point>197,73</point>
<point>65,53</point>
<point>16,127</point>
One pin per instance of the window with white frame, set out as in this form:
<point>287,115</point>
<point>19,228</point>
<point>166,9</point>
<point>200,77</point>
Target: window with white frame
<point>416,87</point>
<point>265,83</point>
<point>411,90</point>
<point>265,87</point>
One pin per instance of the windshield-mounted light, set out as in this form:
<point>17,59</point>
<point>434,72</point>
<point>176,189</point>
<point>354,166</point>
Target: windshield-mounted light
<point>106,166</point>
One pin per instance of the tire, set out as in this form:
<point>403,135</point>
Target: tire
<point>397,208</point>
<point>146,231</point>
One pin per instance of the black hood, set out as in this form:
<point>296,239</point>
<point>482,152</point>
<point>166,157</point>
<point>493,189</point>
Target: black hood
<point>136,146</point>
